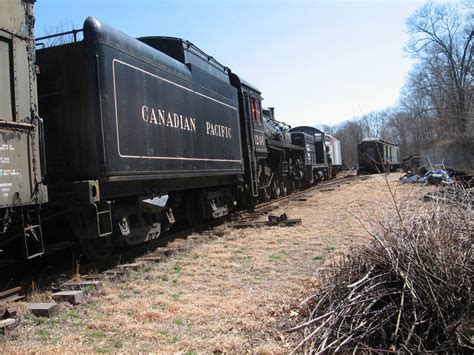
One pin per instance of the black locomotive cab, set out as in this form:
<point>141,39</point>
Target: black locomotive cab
<point>322,168</point>
<point>252,136</point>
<point>253,116</point>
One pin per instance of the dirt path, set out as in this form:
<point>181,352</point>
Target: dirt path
<point>221,293</point>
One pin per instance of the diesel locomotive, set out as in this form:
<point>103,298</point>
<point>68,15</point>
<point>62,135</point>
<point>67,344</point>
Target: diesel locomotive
<point>141,133</point>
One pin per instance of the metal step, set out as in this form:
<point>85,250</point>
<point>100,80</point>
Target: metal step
<point>53,248</point>
<point>32,234</point>
<point>104,218</point>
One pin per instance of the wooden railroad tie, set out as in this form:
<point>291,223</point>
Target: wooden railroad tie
<point>7,323</point>
<point>11,295</point>
<point>150,259</point>
<point>8,316</point>
<point>281,221</point>
<point>81,285</point>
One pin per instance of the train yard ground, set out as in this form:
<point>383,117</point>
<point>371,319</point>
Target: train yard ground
<point>225,290</point>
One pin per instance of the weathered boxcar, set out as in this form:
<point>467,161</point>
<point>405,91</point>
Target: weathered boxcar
<point>21,150</point>
<point>335,154</point>
<point>376,156</point>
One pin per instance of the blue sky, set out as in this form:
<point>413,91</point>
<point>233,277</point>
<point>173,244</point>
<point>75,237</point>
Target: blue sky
<point>317,62</point>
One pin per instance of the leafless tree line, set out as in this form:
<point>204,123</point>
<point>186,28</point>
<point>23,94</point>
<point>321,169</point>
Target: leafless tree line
<point>436,104</point>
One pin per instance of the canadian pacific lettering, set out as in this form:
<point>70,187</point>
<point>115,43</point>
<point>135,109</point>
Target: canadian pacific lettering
<point>215,129</point>
<point>160,117</point>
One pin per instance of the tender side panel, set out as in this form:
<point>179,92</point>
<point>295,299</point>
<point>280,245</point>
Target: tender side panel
<point>161,117</point>
<point>120,109</point>
<point>165,124</point>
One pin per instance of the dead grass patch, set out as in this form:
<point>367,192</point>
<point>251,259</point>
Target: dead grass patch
<point>227,294</point>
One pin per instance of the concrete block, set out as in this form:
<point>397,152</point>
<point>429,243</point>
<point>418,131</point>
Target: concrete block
<point>81,285</point>
<point>133,266</point>
<point>44,309</point>
<point>151,259</point>
<point>327,189</point>
<point>73,297</point>
<point>6,323</point>
<point>114,274</point>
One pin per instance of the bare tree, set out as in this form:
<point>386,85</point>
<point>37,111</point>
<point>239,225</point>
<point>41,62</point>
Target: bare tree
<point>442,41</point>
<point>349,133</point>
<point>436,106</point>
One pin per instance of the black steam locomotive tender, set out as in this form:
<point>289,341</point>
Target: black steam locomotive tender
<point>140,132</point>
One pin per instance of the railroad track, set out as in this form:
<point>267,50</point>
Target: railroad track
<point>308,191</point>
<point>51,271</point>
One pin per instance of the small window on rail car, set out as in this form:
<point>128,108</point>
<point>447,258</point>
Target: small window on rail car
<point>6,98</point>
<point>256,112</point>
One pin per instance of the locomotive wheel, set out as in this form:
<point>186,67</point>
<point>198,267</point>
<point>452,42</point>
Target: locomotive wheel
<point>96,249</point>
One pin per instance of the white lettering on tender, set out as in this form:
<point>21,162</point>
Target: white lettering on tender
<point>159,117</point>
<point>215,129</point>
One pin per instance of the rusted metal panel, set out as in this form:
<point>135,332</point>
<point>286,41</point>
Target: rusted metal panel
<point>20,149</point>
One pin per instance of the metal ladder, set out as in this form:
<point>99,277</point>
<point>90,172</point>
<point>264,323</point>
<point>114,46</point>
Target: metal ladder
<point>103,218</point>
<point>32,234</point>
<point>254,176</point>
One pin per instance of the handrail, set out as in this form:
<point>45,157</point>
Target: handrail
<point>72,32</point>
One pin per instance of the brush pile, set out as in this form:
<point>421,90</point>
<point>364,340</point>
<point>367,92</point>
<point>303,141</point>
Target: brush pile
<point>410,290</point>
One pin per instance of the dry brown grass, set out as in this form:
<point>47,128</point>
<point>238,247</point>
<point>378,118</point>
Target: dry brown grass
<point>227,293</point>
<point>409,290</point>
